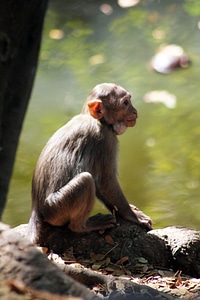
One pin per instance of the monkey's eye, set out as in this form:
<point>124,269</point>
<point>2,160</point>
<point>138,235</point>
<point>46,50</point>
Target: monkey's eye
<point>126,102</point>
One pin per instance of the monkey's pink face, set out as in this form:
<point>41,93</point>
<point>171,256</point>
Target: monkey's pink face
<point>112,103</point>
<point>124,115</point>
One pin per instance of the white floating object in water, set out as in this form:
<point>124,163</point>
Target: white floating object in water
<point>169,100</point>
<point>168,58</point>
<point>128,3</point>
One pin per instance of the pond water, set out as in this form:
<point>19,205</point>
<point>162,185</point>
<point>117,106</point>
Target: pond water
<point>89,42</point>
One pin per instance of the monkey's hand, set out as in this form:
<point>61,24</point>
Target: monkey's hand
<point>142,218</point>
<point>100,222</point>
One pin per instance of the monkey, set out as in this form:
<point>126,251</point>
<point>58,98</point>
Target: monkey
<point>79,163</point>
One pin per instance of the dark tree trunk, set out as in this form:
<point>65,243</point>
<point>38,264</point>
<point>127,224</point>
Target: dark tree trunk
<point>20,36</point>
<point>21,261</point>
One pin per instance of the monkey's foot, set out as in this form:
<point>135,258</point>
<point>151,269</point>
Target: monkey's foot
<point>100,222</point>
<point>142,218</point>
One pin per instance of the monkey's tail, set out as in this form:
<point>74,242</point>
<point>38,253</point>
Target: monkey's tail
<point>34,227</point>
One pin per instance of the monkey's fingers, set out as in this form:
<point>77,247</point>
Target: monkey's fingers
<point>114,211</point>
<point>142,218</point>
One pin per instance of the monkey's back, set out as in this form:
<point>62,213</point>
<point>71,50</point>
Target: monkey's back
<point>78,146</point>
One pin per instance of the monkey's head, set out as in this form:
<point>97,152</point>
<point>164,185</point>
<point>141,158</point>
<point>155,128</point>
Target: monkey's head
<point>111,103</point>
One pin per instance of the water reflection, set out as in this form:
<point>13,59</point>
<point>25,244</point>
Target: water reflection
<point>83,46</point>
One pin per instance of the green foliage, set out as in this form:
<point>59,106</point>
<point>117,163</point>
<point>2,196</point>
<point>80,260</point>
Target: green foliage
<point>192,7</point>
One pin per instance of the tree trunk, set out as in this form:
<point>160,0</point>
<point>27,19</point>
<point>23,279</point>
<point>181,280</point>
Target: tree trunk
<point>22,262</point>
<point>20,36</point>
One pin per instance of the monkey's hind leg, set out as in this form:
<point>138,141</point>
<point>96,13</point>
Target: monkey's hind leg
<point>79,214</point>
<point>72,203</point>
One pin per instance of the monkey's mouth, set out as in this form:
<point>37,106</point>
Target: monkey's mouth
<point>130,122</point>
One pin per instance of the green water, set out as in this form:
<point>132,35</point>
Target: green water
<point>159,161</point>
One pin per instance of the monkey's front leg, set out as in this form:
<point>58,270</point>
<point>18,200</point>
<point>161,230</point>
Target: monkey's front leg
<point>113,197</point>
<point>73,204</point>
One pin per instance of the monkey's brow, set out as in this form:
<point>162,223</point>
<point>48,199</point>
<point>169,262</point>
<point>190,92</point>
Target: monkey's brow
<point>124,94</point>
<point>118,95</point>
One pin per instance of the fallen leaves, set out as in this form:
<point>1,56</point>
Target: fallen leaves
<point>175,285</point>
<point>141,272</point>
<point>109,240</point>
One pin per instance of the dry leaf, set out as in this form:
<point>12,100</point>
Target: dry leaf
<point>98,256</point>
<point>122,260</point>
<point>43,249</point>
<point>96,266</point>
<point>101,264</point>
<point>179,279</point>
<point>142,260</point>
<point>118,273</point>
<point>109,240</point>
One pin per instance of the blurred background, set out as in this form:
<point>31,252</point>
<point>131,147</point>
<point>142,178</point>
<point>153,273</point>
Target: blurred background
<point>90,42</point>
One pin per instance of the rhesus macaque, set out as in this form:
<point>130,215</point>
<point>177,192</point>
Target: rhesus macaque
<point>79,163</point>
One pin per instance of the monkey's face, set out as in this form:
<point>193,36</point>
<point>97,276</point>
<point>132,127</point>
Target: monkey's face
<point>121,114</point>
<point>112,103</point>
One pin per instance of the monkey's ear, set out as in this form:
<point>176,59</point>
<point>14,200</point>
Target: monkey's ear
<point>96,108</point>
